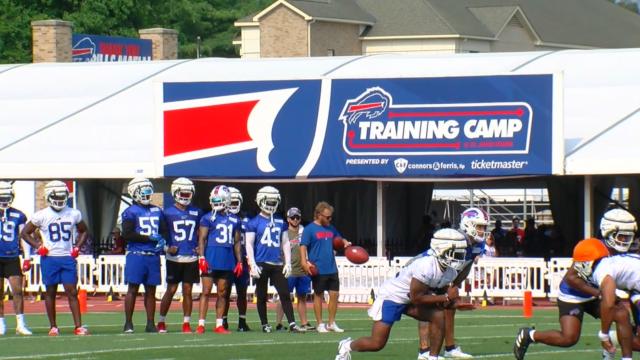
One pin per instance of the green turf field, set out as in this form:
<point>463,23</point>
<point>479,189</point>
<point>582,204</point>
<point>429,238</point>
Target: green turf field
<point>486,333</point>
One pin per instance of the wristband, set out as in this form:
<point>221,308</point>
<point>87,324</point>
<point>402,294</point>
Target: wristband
<point>603,336</point>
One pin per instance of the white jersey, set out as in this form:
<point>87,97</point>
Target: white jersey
<point>58,229</point>
<point>425,269</point>
<point>624,269</point>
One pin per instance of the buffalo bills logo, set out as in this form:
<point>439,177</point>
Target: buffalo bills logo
<point>370,104</point>
<point>83,50</point>
<point>374,125</point>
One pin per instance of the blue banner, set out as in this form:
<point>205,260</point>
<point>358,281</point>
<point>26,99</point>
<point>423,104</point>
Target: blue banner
<point>478,126</point>
<point>98,48</point>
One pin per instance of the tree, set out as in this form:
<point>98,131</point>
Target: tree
<point>212,20</point>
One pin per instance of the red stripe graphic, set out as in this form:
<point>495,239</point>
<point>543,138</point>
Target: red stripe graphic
<point>206,127</point>
<point>518,112</point>
<point>361,107</point>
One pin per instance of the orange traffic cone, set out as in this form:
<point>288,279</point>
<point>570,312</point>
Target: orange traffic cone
<point>82,300</point>
<point>527,304</point>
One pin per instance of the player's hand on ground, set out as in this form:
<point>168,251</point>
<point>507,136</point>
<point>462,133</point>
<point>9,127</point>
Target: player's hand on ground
<point>172,250</point>
<point>203,265</point>
<point>238,270</point>
<point>286,270</point>
<point>26,265</point>
<point>608,345</point>
<point>452,293</point>
<point>75,252</point>
<point>42,250</point>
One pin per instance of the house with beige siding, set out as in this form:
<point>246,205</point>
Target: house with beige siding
<point>294,28</point>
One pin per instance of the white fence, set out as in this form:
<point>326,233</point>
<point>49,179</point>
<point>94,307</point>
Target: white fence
<point>496,277</point>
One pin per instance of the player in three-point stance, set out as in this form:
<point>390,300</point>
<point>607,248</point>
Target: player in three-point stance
<point>421,290</point>
<point>59,226</point>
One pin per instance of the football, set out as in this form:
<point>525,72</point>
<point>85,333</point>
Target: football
<point>356,254</point>
<point>313,270</point>
<point>338,244</point>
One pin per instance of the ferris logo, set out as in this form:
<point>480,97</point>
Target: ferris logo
<point>374,125</point>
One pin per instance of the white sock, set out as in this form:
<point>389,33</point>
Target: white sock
<point>626,358</point>
<point>2,323</point>
<point>161,318</point>
<point>292,324</point>
<point>20,320</point>
<point>218,322</point>
<point>531,333</point>
<point>348,345</point>
<point>201,322</point>
<point>186,319</point>
<point>242,316</point>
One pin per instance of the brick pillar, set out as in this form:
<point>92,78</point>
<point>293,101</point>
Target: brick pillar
<point>164,43</point>
<point>51,40</point>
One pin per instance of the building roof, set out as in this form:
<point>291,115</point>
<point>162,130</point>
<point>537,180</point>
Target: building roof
<point>587,23</point>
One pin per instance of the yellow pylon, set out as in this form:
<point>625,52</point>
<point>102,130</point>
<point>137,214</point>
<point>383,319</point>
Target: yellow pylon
<point>110,294</point>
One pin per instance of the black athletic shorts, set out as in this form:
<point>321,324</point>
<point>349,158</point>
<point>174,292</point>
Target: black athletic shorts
<point>185,272</point>
<point>322,283</point>
<point>578,309</point>
<point>10,267</point>
<point>219,274</point>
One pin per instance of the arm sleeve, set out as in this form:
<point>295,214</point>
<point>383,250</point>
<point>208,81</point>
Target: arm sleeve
<point>286,247</point>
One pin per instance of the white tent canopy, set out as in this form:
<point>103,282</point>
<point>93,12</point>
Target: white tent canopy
<point>98,120</point>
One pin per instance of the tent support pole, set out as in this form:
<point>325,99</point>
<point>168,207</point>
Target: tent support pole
<point>588,206</point>
<point>379,220</point>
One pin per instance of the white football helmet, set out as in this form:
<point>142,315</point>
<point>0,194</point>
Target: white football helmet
<point>6,194</point>
<point>56,194</point>
<point>473,223</point>
<point>268,199</point>
<point>450,246</point>
<point>140,189</point>
<point>182,190</point>
<point>618,228</point>
<point>236,200</point>
<point>220,198</point>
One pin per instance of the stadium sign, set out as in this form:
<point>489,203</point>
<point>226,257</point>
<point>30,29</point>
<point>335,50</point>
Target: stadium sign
<point>476,126</point>
<point>95,48</point>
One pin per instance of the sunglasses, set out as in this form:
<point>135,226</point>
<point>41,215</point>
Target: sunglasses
<point>295,217</point>
<point>326,217</point>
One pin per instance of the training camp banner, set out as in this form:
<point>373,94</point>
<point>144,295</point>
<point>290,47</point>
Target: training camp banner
<point>472,126</point>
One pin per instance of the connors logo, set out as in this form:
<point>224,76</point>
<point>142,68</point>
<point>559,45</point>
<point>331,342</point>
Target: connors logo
<point>374,125</point>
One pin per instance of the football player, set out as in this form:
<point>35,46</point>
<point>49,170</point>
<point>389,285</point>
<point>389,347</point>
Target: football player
<point>267,242</point>
<point>473,224</point>
<point>181,256</point>
<point>316,246</point>
<point>63,232</point>
<point>578,295</point>
<point>220,255</point>
<point>144,229</point>
<point>240,281</point>
<point>421,290</point>
<point>12,221</point>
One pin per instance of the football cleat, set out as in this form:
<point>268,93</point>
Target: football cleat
<point>225,323</point>
<point>425,356</point>
<point>309,327</point>
<point>54,331</point>
<point>266,328</point>
<point>322,328</point>
<point>151,327</point>
<point>608,355</point>
<point>297,329</point>
<point>162,327</point>
<point>343,351</point>
<point>3,329</point>
<point>186,328</point>
<point>23,330</point>
<point>243,327</point>
<point>128,328</point>
<point>279,327</point>
<point>221,330</point>
<point>523,340</point>
<point>457,353</point>
<point>200,329</point>
<point>335,328</point>
<point>81,331</point>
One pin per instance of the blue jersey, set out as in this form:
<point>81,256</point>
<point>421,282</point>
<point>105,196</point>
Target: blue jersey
<point>267,244</point>
<point>319,242</point>
<point>243,229</point>
<point>220,240</point>
<point>10,232</point>
<point>147,221</point>
<point>183,230</point>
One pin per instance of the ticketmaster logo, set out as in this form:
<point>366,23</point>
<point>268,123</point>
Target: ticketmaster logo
<point>401,165</point>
